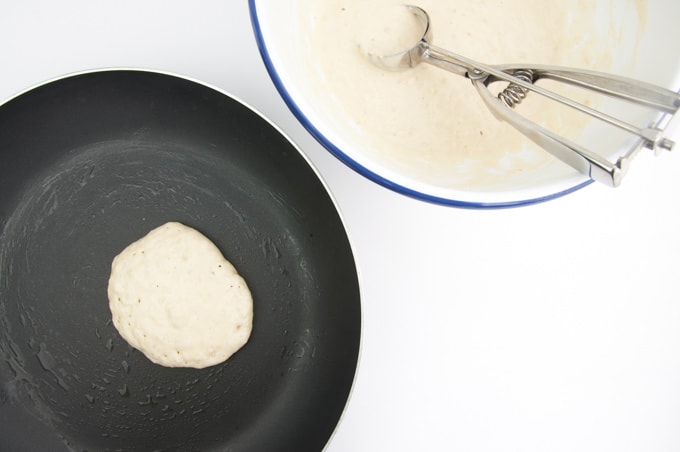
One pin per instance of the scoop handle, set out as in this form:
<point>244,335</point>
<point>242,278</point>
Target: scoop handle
<point>636,91</point>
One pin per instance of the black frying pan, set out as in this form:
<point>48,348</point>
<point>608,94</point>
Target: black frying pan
<point>92,162</point>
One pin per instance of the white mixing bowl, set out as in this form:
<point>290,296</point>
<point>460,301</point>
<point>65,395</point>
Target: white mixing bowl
<point>647,49</point>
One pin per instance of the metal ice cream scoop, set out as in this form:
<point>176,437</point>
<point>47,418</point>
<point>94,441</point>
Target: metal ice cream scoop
<point>522,79</point>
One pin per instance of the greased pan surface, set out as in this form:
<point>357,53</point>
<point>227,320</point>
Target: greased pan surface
<point>90,163</point>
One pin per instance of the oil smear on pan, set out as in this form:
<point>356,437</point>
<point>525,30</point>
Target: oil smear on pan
<point>20,352</point>
<point>61,358</point>
<point>431,125</point>
<point>38,367</point>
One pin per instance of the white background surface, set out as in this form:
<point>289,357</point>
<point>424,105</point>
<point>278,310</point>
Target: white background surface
<point>545,328</point>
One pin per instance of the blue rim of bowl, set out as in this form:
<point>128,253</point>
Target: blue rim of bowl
<point>359,168</point>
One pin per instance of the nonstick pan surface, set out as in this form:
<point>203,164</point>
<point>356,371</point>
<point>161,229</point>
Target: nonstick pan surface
<point>90,163</point>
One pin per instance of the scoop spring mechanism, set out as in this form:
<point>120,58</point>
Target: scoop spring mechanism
<point>515,94</point>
